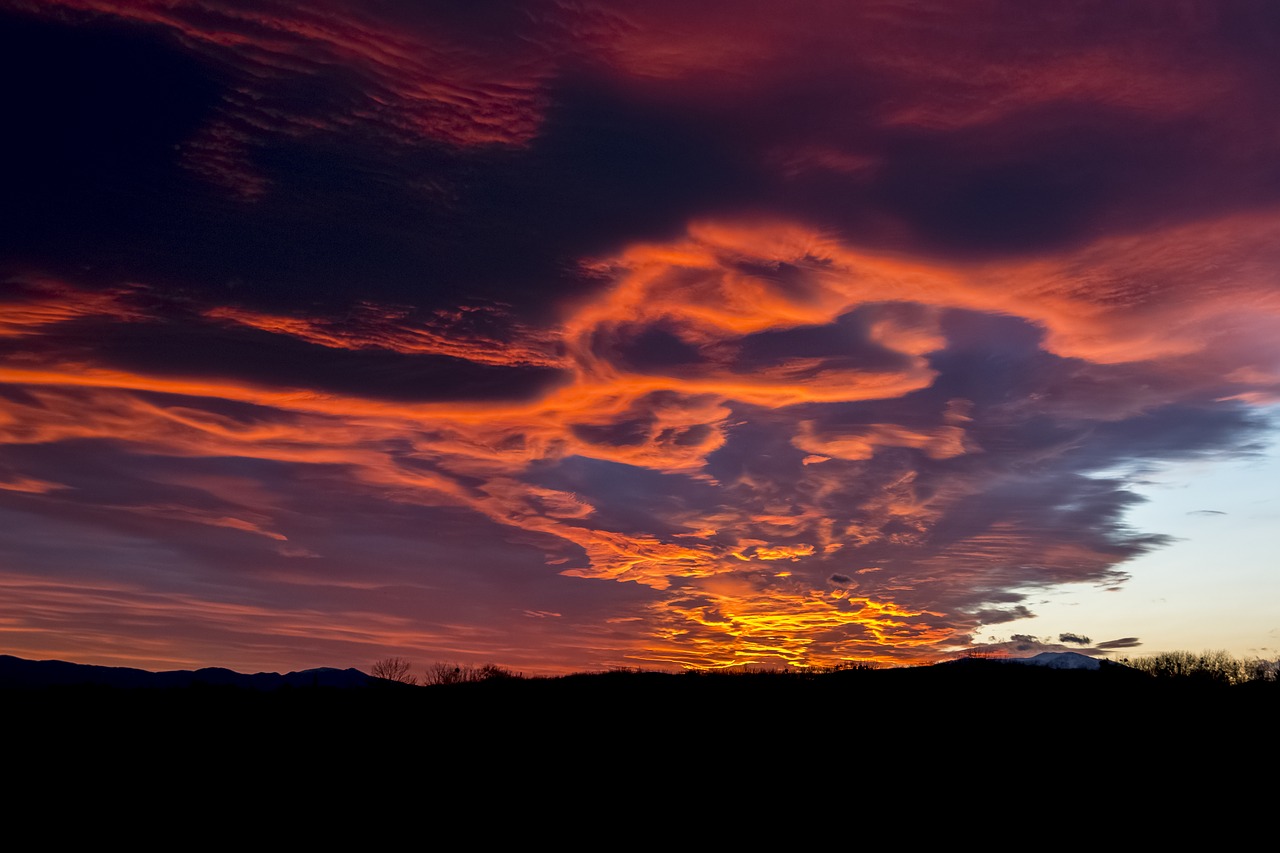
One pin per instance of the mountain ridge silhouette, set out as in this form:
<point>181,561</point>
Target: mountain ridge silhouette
<point>23,672</point>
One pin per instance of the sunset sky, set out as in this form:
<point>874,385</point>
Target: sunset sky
<point>575,335</point>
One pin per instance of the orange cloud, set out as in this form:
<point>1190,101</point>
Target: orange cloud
<point>732,621</point>
<point>783,552</point>
<point>30,485</point>
<point>35,304</point>
<point>720,291</point>
<point>941,442</point>
<point>379,327</point>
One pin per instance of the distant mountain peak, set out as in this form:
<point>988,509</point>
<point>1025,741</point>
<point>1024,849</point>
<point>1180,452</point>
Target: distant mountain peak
<point>1059,660</point>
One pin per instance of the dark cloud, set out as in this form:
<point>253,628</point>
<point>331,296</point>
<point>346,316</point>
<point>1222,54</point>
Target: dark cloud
<point>995,617</point>
<point>100,117</point>
<point>1075,639</point>
<point>1122,643</point>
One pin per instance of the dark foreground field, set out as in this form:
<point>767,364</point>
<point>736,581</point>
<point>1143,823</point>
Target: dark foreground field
<point>635,748</point>
<point>969,707</point>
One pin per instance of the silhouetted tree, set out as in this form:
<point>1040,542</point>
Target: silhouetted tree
<point>1208,667</point>
<point>394,669</point>
<point>453,673</point>
<point>446,673</point>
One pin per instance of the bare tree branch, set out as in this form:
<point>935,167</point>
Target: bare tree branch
<point>394,669</point>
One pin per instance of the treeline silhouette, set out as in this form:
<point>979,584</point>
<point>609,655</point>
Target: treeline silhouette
<point>399,670</point>
<point>1206,668</point>
<point>1210,667</point>
<point>1125,716</point>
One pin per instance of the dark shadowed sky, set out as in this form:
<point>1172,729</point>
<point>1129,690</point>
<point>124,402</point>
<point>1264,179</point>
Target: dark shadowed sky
<point>575,335</point>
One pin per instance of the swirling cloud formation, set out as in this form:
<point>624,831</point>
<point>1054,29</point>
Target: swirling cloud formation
<point>577,335</point>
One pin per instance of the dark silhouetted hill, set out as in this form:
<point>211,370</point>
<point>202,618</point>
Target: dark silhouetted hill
<point>20,673</point>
